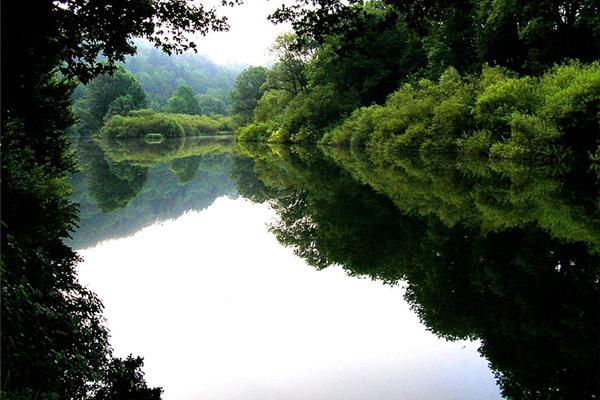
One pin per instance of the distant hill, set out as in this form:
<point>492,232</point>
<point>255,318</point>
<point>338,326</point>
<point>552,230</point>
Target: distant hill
<point>160,74</point>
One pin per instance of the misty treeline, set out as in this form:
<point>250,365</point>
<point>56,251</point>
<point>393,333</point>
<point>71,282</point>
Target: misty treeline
<point>500,78</point>
<point>168,88</point>
<point>188,83</point>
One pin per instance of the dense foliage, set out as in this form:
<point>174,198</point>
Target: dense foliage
<point>474,76</point>
<point>183,101</point>
<point>498,114</point>
<point>525,36</point>
<point>120,94</point>
<point>107,95</point>
<point>142,123</point>
<point>248,90</point>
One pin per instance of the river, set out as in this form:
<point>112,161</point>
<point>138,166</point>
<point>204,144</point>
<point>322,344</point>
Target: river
<point>242,271</point>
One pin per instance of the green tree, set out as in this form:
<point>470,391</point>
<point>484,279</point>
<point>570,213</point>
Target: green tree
<point>289,72</point>
<point>108,95</point>
<point>183,101</point>
<point>248,90</point>
<point>211,105</point>
<point>528,36</point>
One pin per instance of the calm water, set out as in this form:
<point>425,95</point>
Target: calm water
<point>256,272</point>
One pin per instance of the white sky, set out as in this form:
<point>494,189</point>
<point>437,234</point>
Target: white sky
<point>220,310</point>
<point>250,35</point>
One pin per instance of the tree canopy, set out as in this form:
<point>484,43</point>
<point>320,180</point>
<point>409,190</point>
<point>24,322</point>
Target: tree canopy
<point>477,77</point>
<point>183,101</point>
<point>160,74</point>
<point>248,90</point>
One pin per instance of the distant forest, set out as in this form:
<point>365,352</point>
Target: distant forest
<point>159,75</point>
<point>182,94</point>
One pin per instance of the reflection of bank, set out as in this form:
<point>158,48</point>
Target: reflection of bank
<point>501,252</point>
<point>128,184</point>
<point>143,152</point>
<point>495,195</point>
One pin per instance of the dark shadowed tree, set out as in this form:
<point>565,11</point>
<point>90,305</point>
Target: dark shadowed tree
<point>125,381</point>
<point>54,344</point>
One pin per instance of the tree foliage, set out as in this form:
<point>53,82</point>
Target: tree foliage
<point>437,56</point>
<point>497,115</point>
<point>160,74</point>
<point>105,96</point>
<point>183,101</point>
<point>525,36</point>
<point>289,72</point>
<point>248,90</point>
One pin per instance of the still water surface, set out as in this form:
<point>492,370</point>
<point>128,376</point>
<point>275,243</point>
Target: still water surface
<point>243,272</point>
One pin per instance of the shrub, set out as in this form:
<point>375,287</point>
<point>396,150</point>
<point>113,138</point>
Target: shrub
<point>478,143</point>
<point>494,107</point>
<point>259,131</point>
<point>140,123</point>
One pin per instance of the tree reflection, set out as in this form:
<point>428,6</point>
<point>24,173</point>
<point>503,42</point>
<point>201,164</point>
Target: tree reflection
<point>506,254</point>
<point>119,197</point>
<point>112,184</point>
<point>185,168</point>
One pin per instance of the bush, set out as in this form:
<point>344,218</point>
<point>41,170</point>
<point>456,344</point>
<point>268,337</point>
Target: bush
<point>478,143</point>
<point>254,132</point>
<point>355,130</point>
<point>495,106</point>
<point>140,123</point>
<point>139,126</point>
<point>492,114</point>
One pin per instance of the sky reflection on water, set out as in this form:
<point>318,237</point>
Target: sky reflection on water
<point>220,310</point>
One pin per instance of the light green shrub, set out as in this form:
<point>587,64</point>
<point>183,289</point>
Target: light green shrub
<point>477,143</point>
<point>494,107</point>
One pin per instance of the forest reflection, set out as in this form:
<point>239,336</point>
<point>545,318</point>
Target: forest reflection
<point>501,252</point>
<point>125,186</point>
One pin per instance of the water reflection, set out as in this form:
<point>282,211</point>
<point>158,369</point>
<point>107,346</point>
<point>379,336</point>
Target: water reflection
<point>119,195</point>
<point>503,253</point>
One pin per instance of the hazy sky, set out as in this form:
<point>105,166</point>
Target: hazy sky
<point>249,38</point>
<point>221,311</point>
